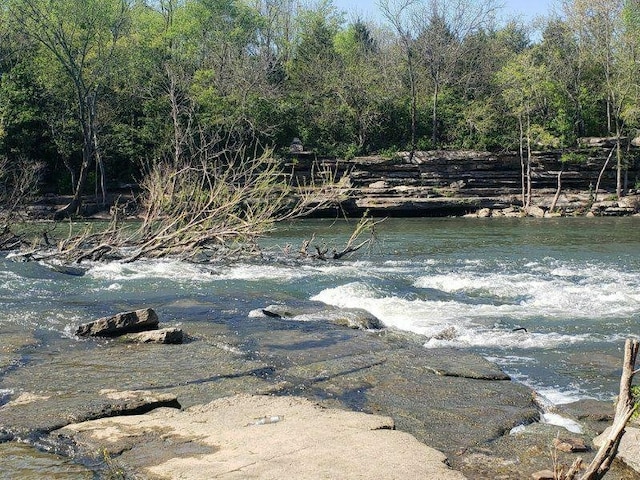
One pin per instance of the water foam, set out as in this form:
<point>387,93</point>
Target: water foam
<point>551,291</point>
<point>446,323</point>
<point>560,421</point>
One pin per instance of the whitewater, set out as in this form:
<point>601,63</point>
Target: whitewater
<point>550,301</point>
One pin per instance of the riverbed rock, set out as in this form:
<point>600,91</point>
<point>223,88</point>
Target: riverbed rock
<point>29,416</point>
<point>119,324</point>
<point>356,318</point>
<point>12,339</point>
<point>484,213</point>
<point>629,449</point>
<point>535,211</point>
<point>594,415</point>
<point>171,335</point>
<point>449,399</point>
<point>263,437</point>
<point>570,445</point>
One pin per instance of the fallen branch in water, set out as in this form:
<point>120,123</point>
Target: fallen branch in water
<point>366,225</point>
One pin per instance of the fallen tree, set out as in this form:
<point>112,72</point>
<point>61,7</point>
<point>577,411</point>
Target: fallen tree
<point>320,251</point>
<point>210,208</point>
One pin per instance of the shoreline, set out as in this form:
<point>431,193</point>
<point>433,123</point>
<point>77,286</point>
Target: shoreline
<point>449,399</point>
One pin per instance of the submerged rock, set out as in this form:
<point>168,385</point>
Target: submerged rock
<point>67,269</point>
<point>356,318</point>
<point>119,324</point>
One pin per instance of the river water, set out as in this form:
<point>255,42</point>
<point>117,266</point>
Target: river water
<point>551,301</point>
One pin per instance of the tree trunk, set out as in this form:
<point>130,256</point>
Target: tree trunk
<point>557,195</point>
<point>522,163</point>
<point>101,171</point>
<point>619,190</point>
<point>414,101</point>
<point>175,116</point>
<point>604,167</point>
<point>434,116</point>
<point>87,125</point>
<point>528,161</point>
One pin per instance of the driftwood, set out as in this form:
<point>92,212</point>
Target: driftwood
<point>625,408</point>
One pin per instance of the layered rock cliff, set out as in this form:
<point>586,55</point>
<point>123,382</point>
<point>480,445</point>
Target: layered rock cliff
<point>442,183</point>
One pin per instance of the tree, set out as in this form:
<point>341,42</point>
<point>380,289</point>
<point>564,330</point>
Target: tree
<point>565,161</point>
<point>312,73</point>
<point>400,13</point>
<point>605,30</point>
<point>481,124</point>
<point>360,84</point>
<point>443,27</point>
<point>524,85</point>
<point>561,53</point>
<point>79,38</point>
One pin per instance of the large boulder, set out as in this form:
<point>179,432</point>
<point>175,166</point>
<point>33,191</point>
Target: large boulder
<point>119,324</point>
<point>535,211</point>
<point>356,318</point>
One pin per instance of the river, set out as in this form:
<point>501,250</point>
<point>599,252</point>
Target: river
<point>551,300</point>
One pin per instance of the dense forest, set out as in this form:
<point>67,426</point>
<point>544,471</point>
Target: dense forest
<point>94,92</point>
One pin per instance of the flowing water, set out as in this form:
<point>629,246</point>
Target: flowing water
<point>551,301</point>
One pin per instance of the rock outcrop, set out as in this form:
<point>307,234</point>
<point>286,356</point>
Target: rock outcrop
<point>455,183</point>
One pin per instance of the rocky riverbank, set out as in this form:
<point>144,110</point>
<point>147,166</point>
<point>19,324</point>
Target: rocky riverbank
<point>457,183</point>
<point>449,399</point>
<point>448,183</point>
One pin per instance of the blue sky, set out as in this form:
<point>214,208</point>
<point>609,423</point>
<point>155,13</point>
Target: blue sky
<point>528,9</point>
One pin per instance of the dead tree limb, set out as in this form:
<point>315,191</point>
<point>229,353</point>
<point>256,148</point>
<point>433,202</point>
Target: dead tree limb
<point>625,408</point>
<point>366,224</point>
<point>604,167</point>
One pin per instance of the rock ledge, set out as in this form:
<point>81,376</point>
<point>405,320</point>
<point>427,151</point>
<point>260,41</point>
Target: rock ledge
<point>264,437</point>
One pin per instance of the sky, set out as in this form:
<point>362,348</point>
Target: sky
<point>527,9</point>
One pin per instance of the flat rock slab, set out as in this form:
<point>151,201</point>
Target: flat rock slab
<point>170,336</point>
<point>355,318</point>
<point>29,415</point>
<point>264,437</point>
<point>121,323</point>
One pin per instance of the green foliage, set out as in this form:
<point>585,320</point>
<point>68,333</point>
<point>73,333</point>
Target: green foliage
<point>573,158</point>
<point>635,394</point>
<point>166,78</point>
